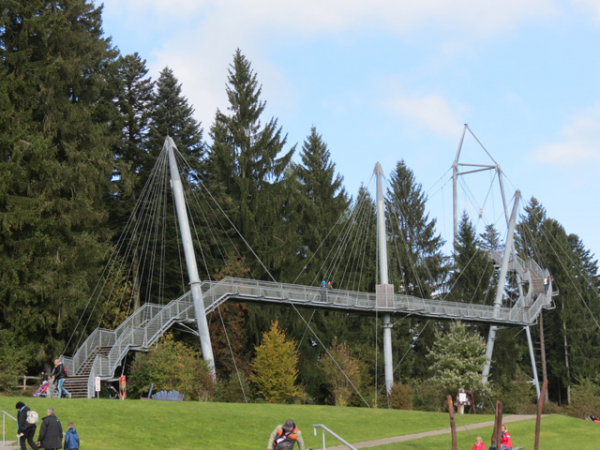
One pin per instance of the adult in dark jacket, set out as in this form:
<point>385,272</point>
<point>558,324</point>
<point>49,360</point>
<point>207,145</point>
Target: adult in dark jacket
<point>71,438</point>
<point>51,433</point>
<point>58,374</point>
<point>25,430</point>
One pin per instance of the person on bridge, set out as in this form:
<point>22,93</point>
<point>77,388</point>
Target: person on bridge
<point>285,436</point>
<point>323,290</point>
<point>505,440</point>
<point>478,445</point>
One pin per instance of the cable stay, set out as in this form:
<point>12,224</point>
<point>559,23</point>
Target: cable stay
<point>135,279</point>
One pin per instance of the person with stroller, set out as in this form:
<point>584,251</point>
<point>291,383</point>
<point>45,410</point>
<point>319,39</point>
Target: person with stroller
<point>59,374</point>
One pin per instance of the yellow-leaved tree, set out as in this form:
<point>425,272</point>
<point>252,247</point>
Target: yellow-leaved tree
<point>274,368</point>
<point>342,371</point>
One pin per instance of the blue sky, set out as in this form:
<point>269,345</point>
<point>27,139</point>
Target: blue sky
<point>387,80</point>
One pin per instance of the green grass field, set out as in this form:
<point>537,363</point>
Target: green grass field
<point>134,424</point>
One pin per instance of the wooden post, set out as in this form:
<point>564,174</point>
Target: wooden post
<point>538,420</point>
<point>497,426</point>
<point>452,423</point>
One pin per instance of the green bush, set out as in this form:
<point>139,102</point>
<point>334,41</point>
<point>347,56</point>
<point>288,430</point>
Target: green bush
<point>428,396</point>
<point>401,397</point>
<point>520,397</point>
<point>171,365</point>
<point>585,400</point>
<point>230,391</point>
<point>14,358</point>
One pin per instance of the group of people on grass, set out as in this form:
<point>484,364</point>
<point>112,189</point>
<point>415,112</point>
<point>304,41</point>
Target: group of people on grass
<point>285,436</point>
<point>55,380</point>
<point>51,432</point>
<point>505,441</point>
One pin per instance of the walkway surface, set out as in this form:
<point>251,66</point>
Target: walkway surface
<point>410,437</point>
<point>9,445</point>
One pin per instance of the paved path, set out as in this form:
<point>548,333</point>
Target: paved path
<point>410,437</point>
<point>8,445</point>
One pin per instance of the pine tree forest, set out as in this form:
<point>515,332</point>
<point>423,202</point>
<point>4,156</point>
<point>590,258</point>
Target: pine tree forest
<point>81,130</point>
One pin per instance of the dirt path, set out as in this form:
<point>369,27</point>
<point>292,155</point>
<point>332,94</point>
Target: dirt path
<point>409,437</point>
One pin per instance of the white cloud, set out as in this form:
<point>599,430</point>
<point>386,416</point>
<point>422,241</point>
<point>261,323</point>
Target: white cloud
<point>432,112</point>
<point>592,5</point>
<point>200,36</point>
<point>580,143</point>
<point>484,17</point>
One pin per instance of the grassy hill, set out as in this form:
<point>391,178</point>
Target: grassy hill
<point>150,425</point>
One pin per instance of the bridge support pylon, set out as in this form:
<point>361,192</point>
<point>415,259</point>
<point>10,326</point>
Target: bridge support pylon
<point>384,289</point>
<point>190,257</point>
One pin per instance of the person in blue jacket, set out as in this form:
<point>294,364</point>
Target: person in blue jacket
<point>71,438</point>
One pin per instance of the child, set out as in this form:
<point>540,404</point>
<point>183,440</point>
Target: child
<point>479,445</point>
<point>71,438</point>
<point>43,387</point>
<point>505,441</point>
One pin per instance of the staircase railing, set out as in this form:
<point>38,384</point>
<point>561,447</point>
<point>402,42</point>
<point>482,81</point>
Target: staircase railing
<point>142,328</point>
<point>325,429</point>
<point>4,416</point>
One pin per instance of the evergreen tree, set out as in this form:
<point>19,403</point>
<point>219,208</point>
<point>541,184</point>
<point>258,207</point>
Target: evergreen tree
<point>135,105</point>
<point>246,170</point>
<point>323,202</point>
<point>173,116</point>
<point>416,265</point>
<point>457,357</point>
<point>55,143</point>
<point>490,239</point>
<point>274,367</point>
<point>470,282</point>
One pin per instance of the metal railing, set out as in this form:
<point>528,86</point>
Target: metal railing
<point>325,429</point>
<point>4,415</point>
<point>140,330</point>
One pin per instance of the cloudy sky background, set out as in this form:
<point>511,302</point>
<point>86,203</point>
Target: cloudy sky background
<point>385,80</point>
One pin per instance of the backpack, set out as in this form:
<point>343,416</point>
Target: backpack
<point>65,373</point>
<point>32,417</point>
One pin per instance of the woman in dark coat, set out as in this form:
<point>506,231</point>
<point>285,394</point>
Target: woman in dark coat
<point>51,433</point>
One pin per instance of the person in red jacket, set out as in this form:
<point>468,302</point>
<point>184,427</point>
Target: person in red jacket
<point>479,445</point>
<point>505,440</point>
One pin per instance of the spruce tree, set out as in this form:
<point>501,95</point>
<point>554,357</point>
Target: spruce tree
<point>470,281</point>
<point>246,168</point>
<point>135,105</point>
<point>416,264</point>
<point>55,141</point>
<point>323,201</point>
<point>173,116</point>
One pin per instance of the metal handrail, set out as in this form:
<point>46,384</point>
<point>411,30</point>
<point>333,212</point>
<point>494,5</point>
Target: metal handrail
<point>4,414</point>
<point>325,429</point>
<point>141,329</point>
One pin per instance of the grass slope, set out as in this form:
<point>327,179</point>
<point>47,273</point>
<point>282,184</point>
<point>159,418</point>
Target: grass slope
<point>557,433</point>
<point>151,425</point>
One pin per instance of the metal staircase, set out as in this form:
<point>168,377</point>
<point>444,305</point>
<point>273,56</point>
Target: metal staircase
<point>104,350</point>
